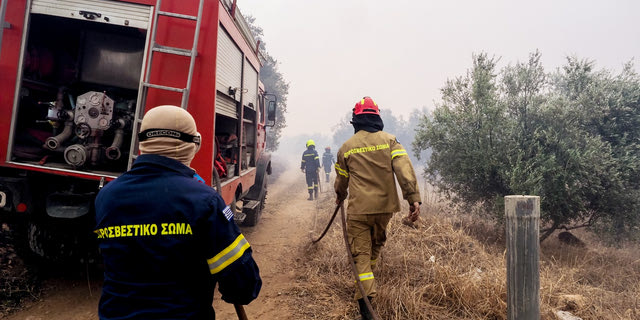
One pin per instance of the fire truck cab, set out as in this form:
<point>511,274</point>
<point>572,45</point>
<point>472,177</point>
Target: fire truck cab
<point>76,77</point>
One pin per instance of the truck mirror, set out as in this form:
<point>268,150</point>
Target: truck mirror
<point>271,112</point>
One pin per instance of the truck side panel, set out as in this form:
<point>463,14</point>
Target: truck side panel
<point>172,70</point>
<point>53,71</point>
<point>9,57</point>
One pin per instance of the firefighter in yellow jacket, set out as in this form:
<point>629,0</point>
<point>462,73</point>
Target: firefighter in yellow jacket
<point>366,166</point>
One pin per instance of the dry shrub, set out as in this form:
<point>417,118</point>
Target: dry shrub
<point>607,279</point>
<point>419,275</point>
<point>454,268</point>
<point>17,282</point>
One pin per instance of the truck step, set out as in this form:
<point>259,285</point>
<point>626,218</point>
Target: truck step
<point>251,205</point>
<point>238,217</point>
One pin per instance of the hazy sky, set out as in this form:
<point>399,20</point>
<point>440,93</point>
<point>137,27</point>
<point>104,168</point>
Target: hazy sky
<point>334,52</point>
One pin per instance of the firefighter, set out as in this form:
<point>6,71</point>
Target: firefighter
<point>365,167</point>
<point>165,236</point>
<point>327,162</point>
<point>310,165</point>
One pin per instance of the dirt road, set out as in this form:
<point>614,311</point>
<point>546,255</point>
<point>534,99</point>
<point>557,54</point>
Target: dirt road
<point>284,227</point>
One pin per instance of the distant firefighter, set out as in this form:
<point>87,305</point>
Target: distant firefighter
<point>310,165</point>
<point>327,162</point>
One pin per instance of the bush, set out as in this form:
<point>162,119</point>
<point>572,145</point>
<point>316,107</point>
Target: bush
<point>571,137</point>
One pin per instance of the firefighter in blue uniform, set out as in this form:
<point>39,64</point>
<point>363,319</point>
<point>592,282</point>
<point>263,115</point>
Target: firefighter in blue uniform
<point>327,162</point>
<point>166,238</point>
<point>310,165</point>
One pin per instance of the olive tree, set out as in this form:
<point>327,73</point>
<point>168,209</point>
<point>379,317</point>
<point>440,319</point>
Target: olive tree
<point>570,137</point>
<point>274,83</point>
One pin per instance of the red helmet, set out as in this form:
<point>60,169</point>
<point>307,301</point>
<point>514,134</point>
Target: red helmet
<point>366,106</point>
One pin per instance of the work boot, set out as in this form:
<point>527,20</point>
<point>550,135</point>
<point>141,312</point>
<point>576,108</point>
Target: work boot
<point>310,196</point>
<point>364,312</point>
<point>315,193</point>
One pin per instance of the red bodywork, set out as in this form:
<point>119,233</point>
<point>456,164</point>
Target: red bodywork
<point>168,70</point>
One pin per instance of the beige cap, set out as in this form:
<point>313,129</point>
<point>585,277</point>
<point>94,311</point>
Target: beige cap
<point>172,118</point>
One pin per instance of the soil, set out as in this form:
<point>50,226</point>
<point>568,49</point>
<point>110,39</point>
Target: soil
<point>283,228</point>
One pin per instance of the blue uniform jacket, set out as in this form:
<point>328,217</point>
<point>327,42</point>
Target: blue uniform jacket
<point>310,160</point>
<point>167,240</point>
<point>327,161</point>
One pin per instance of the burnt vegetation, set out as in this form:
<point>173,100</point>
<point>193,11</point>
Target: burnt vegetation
<point>17,281</point>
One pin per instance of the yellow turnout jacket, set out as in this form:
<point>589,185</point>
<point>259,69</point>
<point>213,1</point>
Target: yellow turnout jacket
<point>366,165</point>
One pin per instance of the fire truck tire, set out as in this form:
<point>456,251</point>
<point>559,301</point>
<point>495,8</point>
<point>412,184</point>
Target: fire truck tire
<point>59,245</point>
<point>47,244</point>
<point>35,236</point>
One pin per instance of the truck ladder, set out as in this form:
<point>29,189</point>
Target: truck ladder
<point>155,47</point>
<point>3,24</point>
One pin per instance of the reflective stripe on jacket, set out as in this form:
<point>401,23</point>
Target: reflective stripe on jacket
<point>366,165</point>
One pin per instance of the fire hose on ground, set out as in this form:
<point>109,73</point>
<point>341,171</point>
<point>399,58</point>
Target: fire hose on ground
<point>349,254</point>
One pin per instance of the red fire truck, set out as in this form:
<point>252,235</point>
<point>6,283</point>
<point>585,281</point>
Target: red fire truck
<point>76,77</point>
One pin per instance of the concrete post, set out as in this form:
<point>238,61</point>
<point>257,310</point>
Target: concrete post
<point>523,247</point>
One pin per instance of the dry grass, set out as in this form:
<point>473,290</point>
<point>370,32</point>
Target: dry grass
<point>454,268</point>
<point>17,283</point>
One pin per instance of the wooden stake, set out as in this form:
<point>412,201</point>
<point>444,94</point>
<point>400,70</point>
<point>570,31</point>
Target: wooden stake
<point>523,247</point>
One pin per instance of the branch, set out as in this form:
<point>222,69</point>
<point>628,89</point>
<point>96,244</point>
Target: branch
<point>547,232</point>
<point>588,224</point>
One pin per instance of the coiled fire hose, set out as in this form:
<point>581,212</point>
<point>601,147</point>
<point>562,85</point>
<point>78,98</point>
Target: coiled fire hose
<point>350,256</point>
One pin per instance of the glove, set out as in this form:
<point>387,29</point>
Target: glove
<point>414,212</point>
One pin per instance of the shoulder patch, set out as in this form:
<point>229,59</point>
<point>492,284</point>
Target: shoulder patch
<point>198,178</point>
<point>228,213</point>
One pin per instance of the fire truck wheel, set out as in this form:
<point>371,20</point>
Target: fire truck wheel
<point>58,244</point>
<point>36,237</point>
<point>264,195</point>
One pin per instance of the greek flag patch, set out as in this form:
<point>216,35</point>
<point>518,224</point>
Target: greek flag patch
<point>228,213</point>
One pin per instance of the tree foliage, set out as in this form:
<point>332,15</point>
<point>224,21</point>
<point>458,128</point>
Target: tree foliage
<point>570,136</point>
<point>274,83</point>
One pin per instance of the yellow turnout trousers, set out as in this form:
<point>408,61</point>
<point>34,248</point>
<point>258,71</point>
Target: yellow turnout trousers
<point>367,234</point>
